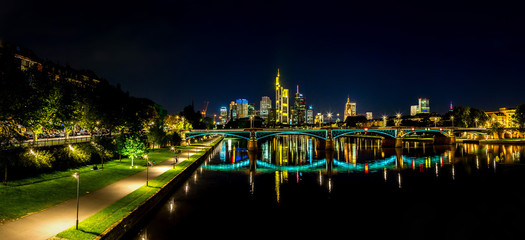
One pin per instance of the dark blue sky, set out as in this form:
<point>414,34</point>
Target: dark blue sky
<point>384,55</point>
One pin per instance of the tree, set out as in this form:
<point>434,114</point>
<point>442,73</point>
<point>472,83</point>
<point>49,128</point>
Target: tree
<point>156,133</point>
<point>519,116</point>
<point>497,130</point>
<point>355,121</point>
<point>133,147</point>
<point>469,117</point>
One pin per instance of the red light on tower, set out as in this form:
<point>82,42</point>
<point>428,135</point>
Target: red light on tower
<point>366,129</point>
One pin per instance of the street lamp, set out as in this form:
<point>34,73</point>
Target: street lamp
<point>452,118</point>
<point>147,169</point>
<point>476,120</point>
<point>173,150</point>
<point>398,122</point>
<point>329,115</point>
<point>77,176</point>
<point>384,120</point>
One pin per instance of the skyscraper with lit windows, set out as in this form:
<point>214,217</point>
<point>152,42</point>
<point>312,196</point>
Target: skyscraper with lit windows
<point>350,109</point>
<point>281,102</point>
<point>265,106</point>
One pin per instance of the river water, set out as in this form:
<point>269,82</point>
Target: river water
<point>293,189</point>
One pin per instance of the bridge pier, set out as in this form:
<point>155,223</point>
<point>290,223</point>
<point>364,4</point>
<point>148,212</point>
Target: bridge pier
<point>443,140</point>
<point>392,142</point>
<point>329,145</point>
<point>252,157</point>
<point>252,145</point>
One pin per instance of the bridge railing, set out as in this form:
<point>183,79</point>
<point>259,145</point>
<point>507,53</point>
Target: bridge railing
<point>44,142</point>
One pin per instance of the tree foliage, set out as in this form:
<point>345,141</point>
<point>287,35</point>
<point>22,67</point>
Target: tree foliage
<point>133,147</point>
<point>469,117</point>
<point>519,115</point>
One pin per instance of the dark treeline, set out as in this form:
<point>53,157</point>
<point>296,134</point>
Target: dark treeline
<point>40,97</point>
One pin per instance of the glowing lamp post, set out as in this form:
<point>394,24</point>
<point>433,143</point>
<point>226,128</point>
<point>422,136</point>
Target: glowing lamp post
<point>77,176</point>
<point>173,150</point>
<point>147,169</point>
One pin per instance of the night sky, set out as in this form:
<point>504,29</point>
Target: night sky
<point>384,55</point>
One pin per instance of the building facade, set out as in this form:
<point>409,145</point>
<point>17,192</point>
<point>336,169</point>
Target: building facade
<point>281,102</point>
<point>423,105</point>
<point>310,115</point>
<point>264,107</point>
<point>350,109</point>
<point>503,116</point>
<point>299,110</point>
<point>224,115</point>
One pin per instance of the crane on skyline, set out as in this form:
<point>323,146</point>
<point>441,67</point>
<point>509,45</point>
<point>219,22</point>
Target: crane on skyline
<point>203,112</point>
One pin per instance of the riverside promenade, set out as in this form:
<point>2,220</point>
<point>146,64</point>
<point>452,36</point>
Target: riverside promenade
<point>51,221</point>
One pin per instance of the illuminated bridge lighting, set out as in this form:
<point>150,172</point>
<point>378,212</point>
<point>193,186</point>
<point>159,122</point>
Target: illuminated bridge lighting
<point>227,167</point>
<point>292,168</point>
<point>372,166</point>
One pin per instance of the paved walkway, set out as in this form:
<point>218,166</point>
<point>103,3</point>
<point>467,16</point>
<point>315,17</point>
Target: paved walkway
<point>49,222</point>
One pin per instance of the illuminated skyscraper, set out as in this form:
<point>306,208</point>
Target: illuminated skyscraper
<point>224,115</point>
<point>242,108</point>
<point>310,115</point>
<point>233,111</point>
<point>413,110</point>
<point>299,110</point>
<point>265,106</point>
<point>423,106</point>
<point>350,109</point>
<point>281,102</point>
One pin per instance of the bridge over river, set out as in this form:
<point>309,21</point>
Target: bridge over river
<point>391,137</point>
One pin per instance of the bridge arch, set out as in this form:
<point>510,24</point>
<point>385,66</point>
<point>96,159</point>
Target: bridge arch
<point>320,134</point>
<point>389,133</point>
<point>434,131</point>
<point>243,135</point>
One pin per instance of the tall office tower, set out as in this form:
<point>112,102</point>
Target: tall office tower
<point>251,110</point>
<point>242,108</point>
<point>299,116</point>
<point>413,110</point>
<point>423,106</point>
<point>233,111</point>
<point>310,115</point>
<point>281,102</point>
<point>224,115</point>
<point>265,106</point>
<point>350,109</point>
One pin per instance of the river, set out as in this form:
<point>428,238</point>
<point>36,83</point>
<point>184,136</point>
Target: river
<point>293,190</point>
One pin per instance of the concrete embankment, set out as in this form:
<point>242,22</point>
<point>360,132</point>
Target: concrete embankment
<point>129,222</point>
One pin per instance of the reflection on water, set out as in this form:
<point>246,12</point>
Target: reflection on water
<point>289,174</point>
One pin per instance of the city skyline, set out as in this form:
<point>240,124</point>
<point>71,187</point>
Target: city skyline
<point>383,55</point>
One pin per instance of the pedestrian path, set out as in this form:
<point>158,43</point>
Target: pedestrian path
<point>47,223</point>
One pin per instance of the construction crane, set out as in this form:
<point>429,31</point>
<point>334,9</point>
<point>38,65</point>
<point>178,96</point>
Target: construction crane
<point>203,112</point>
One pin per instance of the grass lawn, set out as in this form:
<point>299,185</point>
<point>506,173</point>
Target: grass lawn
<point>25,196</point>
<point>95,225</point>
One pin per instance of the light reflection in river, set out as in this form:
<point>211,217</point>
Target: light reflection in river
<point>285,165</point>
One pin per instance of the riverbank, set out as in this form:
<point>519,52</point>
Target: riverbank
<point>115,220</point>
<point>492,141</point>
